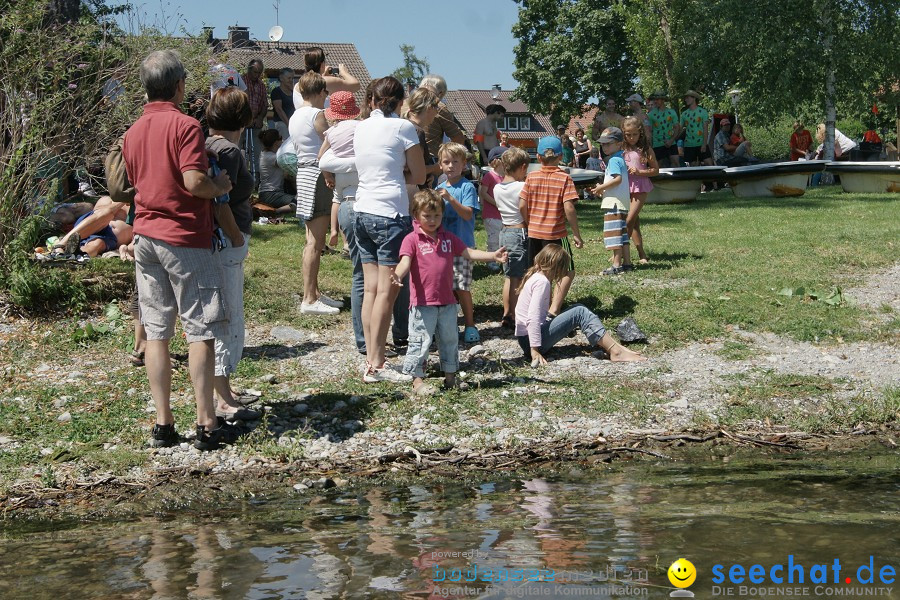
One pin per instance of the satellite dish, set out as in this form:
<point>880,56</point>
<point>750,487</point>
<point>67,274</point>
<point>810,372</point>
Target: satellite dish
<point>276,33</point>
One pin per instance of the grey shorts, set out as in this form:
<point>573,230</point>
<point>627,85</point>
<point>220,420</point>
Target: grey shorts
<point>177,281</point>
<point>515,240</point>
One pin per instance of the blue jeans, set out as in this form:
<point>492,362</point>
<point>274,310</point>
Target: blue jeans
<point>400,327</point>
<point>425,323</point>
<point>565,323</point>
<point>347,223</point>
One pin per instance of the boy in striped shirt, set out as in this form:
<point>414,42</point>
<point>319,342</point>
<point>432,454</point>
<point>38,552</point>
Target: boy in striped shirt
<point>548,203</point>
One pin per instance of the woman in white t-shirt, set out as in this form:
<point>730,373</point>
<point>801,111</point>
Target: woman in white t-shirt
<point>387,159</point>
<point>336,81</point>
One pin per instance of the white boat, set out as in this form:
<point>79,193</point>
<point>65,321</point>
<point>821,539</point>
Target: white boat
<point>681,184</point>
<point>772,180</point>
<point>867,177</point>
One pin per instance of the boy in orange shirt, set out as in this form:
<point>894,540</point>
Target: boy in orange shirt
<point>548,202</point>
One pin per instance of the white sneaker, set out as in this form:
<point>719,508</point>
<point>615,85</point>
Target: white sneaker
<point>386,373</point>
<point>317,308</point>
<point>330,301</point>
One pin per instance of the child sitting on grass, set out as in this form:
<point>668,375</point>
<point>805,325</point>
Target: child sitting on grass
<point>537,334</point>
<point>271,177</point>
<point>428,255</point>
<point>461,207</point>
<point>513,235</point>
<point>616,201</point>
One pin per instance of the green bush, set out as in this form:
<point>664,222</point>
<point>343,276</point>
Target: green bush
<point>55,119</point>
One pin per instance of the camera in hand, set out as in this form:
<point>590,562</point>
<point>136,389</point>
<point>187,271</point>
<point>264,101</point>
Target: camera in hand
<point>334,71</point>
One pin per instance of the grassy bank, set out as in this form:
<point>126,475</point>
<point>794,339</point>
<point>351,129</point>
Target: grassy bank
<point>724,272</point>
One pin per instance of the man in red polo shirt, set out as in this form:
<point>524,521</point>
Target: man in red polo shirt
<point>177,274</point>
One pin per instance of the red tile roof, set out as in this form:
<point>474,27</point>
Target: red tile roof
<point>584,119</point>
<point>469,107</point>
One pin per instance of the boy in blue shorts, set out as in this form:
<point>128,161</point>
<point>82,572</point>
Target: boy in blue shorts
<point>616,201</point>
<point>460,209</point>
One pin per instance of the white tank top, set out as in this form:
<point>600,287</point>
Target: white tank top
<point>304,136</point>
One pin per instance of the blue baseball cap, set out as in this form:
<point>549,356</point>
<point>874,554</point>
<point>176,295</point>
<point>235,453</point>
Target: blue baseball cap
<point>496,152</point>
<point>549,145</point>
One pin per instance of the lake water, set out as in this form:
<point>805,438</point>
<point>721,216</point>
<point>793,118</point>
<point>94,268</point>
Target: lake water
<point>610,532</point>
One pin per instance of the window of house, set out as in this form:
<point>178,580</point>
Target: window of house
<point>525,123</point>
<point>512,123</point>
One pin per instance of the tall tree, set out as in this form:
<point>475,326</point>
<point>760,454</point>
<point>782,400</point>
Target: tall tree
<point>414,67</point>
<point>568,52</point>
<point>827,56</point>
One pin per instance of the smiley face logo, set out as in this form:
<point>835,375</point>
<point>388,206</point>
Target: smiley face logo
<point>682,573</point>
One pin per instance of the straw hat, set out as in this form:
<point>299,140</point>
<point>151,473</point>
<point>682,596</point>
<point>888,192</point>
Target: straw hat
<point>692,93</point>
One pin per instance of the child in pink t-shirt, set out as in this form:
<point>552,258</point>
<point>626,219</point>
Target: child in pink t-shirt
<point>493,223</point>
<point>427,256</point>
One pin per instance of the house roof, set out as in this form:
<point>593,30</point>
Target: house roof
<point>585,119</point>
<point>469,107</point>
<point>281,55</point>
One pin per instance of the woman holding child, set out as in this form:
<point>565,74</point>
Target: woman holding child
<point>387,159</point>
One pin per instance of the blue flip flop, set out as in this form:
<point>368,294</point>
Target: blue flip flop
<point>471,335</point>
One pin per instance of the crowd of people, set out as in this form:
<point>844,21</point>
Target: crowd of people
<point>392,177</point>
<point>397,190</point>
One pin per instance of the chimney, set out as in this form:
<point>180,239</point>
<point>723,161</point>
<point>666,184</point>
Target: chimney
<point>238,37</point>
<point>208,34</point>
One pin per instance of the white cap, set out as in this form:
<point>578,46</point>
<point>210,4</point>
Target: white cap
<point>634,98</point>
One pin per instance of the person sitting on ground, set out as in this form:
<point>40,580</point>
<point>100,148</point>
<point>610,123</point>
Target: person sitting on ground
<point>737,137</point>
<point>90,223</point>
<point>728,154</point>
<point>428,255</point>
<point>271,176</point>
<point>105,239</point>
<point>801,141</point>
<point>537,333</point>
<point>842,144</point>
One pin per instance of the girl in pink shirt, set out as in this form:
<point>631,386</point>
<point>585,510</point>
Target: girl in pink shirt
<point>536,334</point>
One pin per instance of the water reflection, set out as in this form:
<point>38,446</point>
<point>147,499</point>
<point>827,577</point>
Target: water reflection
<point>591,529</point>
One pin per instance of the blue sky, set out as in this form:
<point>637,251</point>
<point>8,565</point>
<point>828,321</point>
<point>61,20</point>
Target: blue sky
<point>469,42</point>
